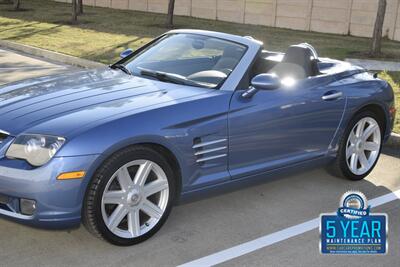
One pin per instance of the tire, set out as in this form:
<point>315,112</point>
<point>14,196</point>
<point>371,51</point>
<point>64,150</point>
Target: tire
<point>110,196</point>
<point>342,165</point>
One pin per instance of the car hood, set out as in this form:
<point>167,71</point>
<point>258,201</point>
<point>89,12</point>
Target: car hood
<point>63,103</point>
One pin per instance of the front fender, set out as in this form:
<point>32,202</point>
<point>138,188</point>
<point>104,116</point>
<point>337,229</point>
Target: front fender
<point>111,149</point>
<point>104,145</point>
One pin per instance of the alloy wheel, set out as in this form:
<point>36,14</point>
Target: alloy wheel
<point>135,198</point>
<point>363,146</point>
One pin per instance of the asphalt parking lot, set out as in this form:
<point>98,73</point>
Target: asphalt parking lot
<point>14,67</point>
<point>199,229</point>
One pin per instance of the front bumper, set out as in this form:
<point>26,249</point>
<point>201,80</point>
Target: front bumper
<point>58,203</point>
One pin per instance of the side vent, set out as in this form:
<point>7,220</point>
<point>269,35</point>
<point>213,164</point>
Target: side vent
<point>209,150</point>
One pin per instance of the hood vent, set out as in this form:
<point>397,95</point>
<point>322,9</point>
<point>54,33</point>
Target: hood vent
<point>209,150</point>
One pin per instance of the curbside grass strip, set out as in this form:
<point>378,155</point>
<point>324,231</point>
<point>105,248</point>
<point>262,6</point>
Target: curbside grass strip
<point>55,56</point>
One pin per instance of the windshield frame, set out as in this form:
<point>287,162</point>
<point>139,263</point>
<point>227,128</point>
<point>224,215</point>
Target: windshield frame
<point>140,50</point>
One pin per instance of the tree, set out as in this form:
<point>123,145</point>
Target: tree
<point>17,4</point>
<point>378,28</point>
<point>74,18</point>
<point>170,15</point>
<point>80,7</point>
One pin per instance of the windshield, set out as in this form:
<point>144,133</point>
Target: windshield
<point>188,59</point>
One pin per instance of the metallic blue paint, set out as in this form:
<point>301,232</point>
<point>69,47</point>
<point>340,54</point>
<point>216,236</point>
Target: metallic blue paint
<point>102,111</point>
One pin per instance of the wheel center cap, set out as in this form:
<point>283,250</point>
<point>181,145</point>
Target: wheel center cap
<point>134,198</point>
<point>359,145</point>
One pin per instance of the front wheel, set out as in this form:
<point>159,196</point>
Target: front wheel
<point>360,147</point>
<point>130,196</point>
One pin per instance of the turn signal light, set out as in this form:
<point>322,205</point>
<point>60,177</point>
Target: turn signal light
<point>71,175</point>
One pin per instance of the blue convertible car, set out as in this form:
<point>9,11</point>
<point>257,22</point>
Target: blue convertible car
<point>189,113</point>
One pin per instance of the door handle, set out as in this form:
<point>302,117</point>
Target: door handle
<point>332,95</point>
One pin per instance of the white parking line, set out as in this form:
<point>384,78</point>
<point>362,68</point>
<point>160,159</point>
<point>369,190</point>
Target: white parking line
<point>267,240</point>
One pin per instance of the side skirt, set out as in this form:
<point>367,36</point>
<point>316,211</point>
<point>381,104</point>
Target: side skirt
<point>247,181</point>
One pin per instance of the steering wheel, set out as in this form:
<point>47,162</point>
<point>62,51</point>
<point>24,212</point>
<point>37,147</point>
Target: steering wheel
<point>226,71</point>
<point>208,76</point>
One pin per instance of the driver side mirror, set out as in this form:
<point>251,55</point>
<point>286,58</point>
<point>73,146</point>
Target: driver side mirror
<point>264,81</point>
<point>126,53</point>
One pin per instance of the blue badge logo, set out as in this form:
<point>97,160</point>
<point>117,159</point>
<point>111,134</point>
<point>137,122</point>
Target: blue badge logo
<point>353,229</point>
<point>353,205</point>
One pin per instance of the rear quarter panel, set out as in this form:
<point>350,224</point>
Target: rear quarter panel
<point>361,90</point>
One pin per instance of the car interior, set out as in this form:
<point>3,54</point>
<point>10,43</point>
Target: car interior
<point>223,66</point>
<point>299,62</point>
<point>204,69</point>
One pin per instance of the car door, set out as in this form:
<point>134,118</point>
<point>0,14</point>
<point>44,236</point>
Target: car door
<point>284,126</point>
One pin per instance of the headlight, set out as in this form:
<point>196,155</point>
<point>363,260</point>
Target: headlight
<point>35,149</point>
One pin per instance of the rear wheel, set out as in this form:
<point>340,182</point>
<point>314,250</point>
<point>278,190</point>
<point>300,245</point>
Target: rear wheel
<point>130,196</point>
<point>360,147</point>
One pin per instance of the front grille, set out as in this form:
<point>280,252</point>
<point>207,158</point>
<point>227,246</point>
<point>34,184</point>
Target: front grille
<point>3,199</point>
<point>4,203</point>
<point>5,207</point>
<point>8,203</point>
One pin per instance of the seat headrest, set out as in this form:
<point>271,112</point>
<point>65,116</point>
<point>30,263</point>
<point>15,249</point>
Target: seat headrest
<point>302,56</point>
<point>297,54</point>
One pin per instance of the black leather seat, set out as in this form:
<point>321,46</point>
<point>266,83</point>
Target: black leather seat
<point>299,62</point>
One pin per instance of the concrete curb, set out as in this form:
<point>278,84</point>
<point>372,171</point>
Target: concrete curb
<point>375,64</point>
<point>394,140</point>
<point>55,56</point>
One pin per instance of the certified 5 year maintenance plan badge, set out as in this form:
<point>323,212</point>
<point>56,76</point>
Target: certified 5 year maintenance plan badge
<point>353,229</point>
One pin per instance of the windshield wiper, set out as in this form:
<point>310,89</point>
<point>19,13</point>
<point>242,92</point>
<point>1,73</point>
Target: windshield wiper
<point>121,67</point>
<point>169,77</point>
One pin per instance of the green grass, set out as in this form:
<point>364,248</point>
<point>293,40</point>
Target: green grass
<point>394,79</point>
<point>103,33</point>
